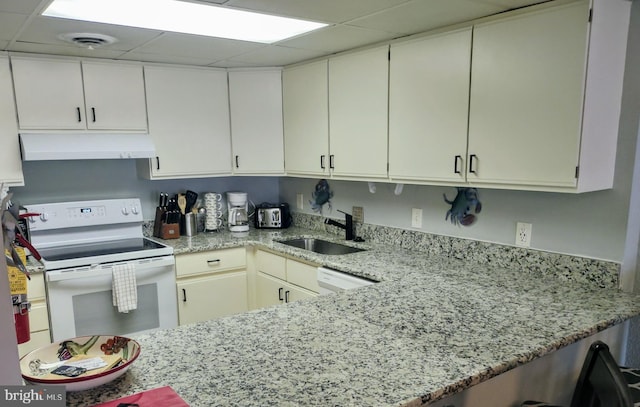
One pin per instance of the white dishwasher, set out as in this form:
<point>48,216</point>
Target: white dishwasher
<point>333,281</point>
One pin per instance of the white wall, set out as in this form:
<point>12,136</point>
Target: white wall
<point>54,181</point>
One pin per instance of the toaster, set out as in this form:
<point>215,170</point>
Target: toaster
<point>272,216</point>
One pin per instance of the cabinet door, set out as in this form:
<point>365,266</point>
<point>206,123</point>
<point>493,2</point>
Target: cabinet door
<point>201,299</point>
<point>255,98</point>
<point>428,107</point>
<point>10,162</point>
<point>188,113</point>
<point>269,290</point>
<point>49,93</point>
<point>358,104</point>
<point>306,119</point>
<point>527,82</point>
<point>114,96</point>
<point>293,293</point>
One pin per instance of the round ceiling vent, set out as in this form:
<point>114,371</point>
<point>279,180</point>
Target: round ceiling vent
<point>88,40</point>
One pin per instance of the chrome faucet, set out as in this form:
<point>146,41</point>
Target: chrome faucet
<point>347,226</point>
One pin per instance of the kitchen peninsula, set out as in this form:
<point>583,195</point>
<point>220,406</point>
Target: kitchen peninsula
<point>433,326</point>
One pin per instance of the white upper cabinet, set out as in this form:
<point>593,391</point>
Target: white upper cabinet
<point>51,95</point>
<point>255,98</point>
<point>428,108</point>
<point>306,119</point>
<point>541,115</point>
<point>188,112</point>
<point>114,96</point>
<point>10,162</point>
<point>358,114</point>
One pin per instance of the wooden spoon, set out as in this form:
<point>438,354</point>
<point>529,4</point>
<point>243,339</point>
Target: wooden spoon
<point>182,203</point>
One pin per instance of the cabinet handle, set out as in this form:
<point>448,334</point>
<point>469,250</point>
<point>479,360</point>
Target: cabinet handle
<point>280,293</point>
<point>158,163</point>
<point>322,161</point>
<point>213,262</point>
<point>93,114</point>
<point>456,159</point>
<point>184,295</point>
<point>331,161</point>
<point>286,296</point>
<point>237,165</point>
<point>79,115</point>
<point>471,158</point>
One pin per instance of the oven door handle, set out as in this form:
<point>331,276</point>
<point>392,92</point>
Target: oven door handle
<point>103,270</point>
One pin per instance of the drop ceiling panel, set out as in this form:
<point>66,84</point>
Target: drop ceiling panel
<point>70,50</point>
<point>19,6</point>
<point>45,30</point>
<point>276,55</point>
<point>165,59</point>
<point>10,25</point>
<point>195,46</point>
<point>330,11</point>
<point>419,15</point>
<point>338,38</point>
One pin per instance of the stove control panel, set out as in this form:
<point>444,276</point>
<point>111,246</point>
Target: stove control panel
<point>63,215</point>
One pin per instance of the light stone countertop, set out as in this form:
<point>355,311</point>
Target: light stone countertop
<point>433,326</point>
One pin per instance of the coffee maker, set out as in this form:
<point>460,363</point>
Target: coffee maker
<point>238,211</point>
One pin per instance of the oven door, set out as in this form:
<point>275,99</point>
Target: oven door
<point>81,303</point>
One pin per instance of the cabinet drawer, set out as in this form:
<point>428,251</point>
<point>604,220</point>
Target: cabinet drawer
<point>35,287</point>
<point>211,262</point>
<point>302,275</point>
<point>38,318</point>
<point>271,264</point>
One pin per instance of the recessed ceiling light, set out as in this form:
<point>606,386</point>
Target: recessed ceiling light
<point>183,17</point>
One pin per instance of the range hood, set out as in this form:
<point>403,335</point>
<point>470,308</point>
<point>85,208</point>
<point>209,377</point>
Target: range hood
<point>85,146</point>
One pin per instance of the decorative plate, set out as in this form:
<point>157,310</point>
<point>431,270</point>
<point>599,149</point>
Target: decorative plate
<point>80,363</point>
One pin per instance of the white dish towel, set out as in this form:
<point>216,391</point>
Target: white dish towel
<point>125,293</point>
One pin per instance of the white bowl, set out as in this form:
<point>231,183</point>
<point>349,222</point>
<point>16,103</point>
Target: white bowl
<point>34,367</point>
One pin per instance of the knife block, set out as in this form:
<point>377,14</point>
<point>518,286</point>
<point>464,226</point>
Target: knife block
<point>170,231</point>
<point>158,221</point>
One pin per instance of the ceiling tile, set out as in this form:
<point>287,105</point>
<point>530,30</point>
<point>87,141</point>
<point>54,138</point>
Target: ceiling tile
<point>419,15</point>
<point>19,6</point>
<point>164,58</point>
<point>275,55</point>
<point>194,46</point>
<point>45,30</point>
<point>510,4</point>
<point>338,38</point>
<point>331,11</point>
<point>70,50</point>
<point>10,25</point>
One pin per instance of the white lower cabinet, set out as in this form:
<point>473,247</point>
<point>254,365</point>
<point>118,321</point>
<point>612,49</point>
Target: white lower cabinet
<point>211,284</point>
<point>280,280</point>
<point>38,316</point>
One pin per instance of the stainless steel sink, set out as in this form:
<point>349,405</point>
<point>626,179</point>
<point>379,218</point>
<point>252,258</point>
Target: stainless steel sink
<point>321,246</point>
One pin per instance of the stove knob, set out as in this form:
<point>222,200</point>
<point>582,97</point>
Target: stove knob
<point>125,211</point>
<point>134,210</point>
<point>44,216</point>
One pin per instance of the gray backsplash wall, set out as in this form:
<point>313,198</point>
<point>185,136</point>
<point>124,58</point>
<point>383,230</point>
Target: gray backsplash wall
<point>54,181</point>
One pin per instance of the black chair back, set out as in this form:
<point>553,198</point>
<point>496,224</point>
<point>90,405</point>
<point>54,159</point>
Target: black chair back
<point>601,383</point>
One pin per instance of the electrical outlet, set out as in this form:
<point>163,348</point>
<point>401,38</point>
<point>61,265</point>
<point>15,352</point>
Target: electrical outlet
<point>523,234</point>
<point>300,201</point>
<point>416,218</point>
<point>358,214</point>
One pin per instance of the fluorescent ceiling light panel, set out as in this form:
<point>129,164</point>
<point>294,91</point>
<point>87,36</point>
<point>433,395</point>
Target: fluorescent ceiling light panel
<point>183,17</point>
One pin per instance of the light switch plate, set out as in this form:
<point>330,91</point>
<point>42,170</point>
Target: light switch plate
<point>300,201</point>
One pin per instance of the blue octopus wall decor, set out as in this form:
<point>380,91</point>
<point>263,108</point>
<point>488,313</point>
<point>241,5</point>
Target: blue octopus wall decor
<point>322,195</point>
<point>465,200</point>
